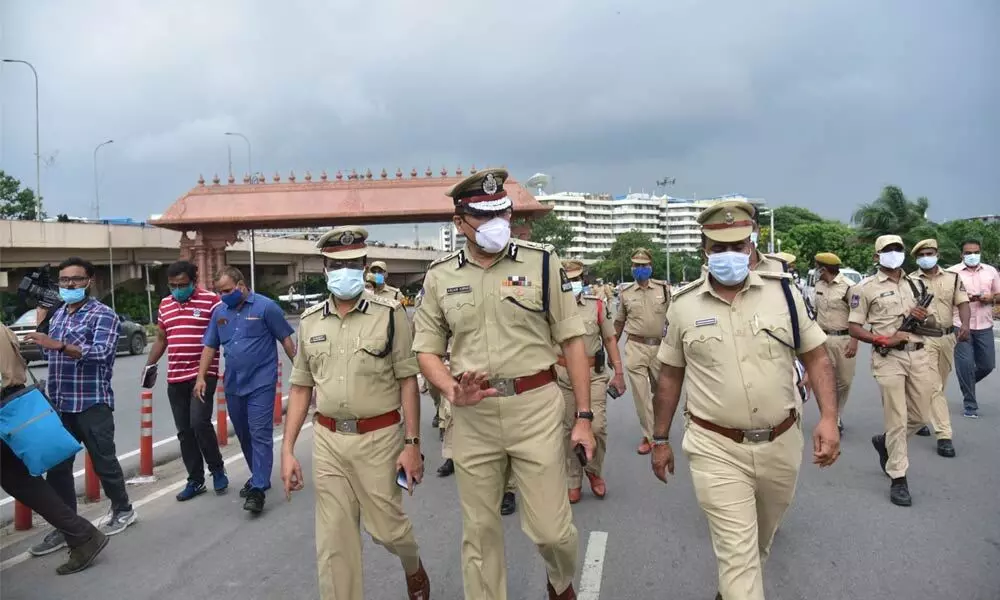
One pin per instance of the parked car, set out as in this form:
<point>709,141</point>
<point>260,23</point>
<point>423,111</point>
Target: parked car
<point>132,338</point>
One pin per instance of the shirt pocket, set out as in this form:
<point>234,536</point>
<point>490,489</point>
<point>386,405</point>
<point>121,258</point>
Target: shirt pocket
<point>772,327</point>
<point>885,307</point>
<point>703,345</point>
<point>255,327</point>
<point>368,359</point>
<point>318,357</point>
<point>460,312</point>
<point>520,305</point>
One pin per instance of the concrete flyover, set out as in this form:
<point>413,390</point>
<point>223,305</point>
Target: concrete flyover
<point>26,245</point>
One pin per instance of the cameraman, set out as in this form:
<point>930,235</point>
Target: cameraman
<point>81,348</point>
<point>84,540</point>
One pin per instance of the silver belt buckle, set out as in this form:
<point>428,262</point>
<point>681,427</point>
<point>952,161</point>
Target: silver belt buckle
<point>504,386</point>
<point>347,425</point>
<point>756,436</point>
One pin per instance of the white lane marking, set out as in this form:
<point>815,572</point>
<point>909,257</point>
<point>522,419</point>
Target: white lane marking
<point>593,566</point>
<point>126,456</point>
<point>173,487</point>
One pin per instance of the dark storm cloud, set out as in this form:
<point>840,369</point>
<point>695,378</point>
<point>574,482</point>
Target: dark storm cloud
<point>817,104</point>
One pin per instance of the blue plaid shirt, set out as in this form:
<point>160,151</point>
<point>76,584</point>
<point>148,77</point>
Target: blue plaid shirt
<point>76,384</point>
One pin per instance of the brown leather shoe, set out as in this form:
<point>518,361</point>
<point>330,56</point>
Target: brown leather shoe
<point>597,485</point>
<point>568,593</point>
<point>418,585</point>
<point>644,447</point>
<point>574,495</point>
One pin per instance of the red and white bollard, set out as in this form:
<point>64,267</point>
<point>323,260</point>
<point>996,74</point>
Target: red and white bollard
<point>277,397</point>
<point>91,484</point>
<point>146,434</point>
<point>22,516</point>
<point>222,414</point>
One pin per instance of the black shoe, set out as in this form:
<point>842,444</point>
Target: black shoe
<point>899,492</point>
<point>509,504</point>
<point>718,596</point>
<point>436,422</point>
<point>245,489</point>
<point>946,449</point>
<point>448,468</point>
<point>83,556</point>
<point>255,501</point>
<point>924,431</point>
<point>883,453</point>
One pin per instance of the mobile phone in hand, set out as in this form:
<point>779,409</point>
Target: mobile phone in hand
<point>613,392</point>
<point>581,454</point>
<point>401,477</point>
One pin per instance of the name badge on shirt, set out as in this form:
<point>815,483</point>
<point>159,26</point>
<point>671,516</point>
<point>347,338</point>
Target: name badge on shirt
<point>462,289</point>
<point>317,338</point>
<point>706,322</point>
<point>887,294</point>
<point>253,318</point>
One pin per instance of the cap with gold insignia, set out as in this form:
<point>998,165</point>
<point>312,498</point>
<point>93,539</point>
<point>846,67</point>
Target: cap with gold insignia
<point>345,242</point>
<point>642,256</point>
<point>828,258</point>
<point>887,240</point>
<point>378,264</point>
<point>924,245</point>
<point>574,268</point>
<point>481,193</point>
<point>785,257</point>
<point>727,222</point>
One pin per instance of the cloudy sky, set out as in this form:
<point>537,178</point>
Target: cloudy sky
<point>816,103</point>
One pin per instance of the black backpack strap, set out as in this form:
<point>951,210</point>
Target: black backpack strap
<point>390,335</point>
<point>545,281</point>
<point>786,287</point>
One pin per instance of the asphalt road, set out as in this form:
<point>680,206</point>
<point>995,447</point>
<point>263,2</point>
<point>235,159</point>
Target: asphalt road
<point>841,540</point>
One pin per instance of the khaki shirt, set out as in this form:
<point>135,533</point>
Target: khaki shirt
<point>336,357</point>
<point>883,303</point>
<point>644,309</point>
<point>495,313</point>
<point>736,375</point>
<point>388,292</point>
<point>598,327</point>
<point>12,369</point>
<point>768,264</point>
<point>833,303</point>
<point>948,290</point>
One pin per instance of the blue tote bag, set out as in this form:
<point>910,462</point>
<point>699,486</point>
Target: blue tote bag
<point>34,431</point>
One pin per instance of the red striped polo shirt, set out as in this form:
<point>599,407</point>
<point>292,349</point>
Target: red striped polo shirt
<point>184,324</point>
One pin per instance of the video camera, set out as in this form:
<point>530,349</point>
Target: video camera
<point>38,291</point>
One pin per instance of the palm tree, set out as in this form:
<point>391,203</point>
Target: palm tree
<point>892,213</point>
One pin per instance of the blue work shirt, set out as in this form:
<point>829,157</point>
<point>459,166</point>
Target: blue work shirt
<point>249,335</point>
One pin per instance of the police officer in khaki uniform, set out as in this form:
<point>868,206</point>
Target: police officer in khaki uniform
<point>833,305</point>
<point>355,353</point>
<point>377,275</point>
<point>949,293</point>
<point>642,316</point>
<point>504,302</point>
<point>732,339</point>
<point>904,374</point>
<point>600,336</point>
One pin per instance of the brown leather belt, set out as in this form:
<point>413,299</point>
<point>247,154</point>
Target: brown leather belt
<point>754,436</point>
<point>359,425</point>
<point>561,361</point>
<point>837,332</point>
<point>649,341</point>
<point>512,386</point>
<point>907,347</point>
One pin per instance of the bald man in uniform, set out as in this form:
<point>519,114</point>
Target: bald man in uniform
<point>355,353</point>
<point>833,306</point>
<point>505,302</point>
<point>642,318</point>
<point>733,337</point>
<point>949,294</point>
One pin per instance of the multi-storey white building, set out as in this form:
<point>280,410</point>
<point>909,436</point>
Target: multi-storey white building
<point>450,238</point>
<point>597,219</point>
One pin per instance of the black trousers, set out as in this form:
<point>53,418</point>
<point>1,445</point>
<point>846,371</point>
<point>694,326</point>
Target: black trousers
<point>95,428</point>
<point>38,495</point>
<point>193,419</point>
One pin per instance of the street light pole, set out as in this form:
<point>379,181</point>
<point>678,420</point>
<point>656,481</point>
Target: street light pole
<point>38,148</point>
<point>253,257</point>
<point>771,230</point>
<point>97,191</point>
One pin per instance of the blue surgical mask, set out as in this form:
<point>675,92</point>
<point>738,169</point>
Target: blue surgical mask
<point>927,262</point>
<point>345,284</point>
<point>182,294</point>
<point>233,298</point>
<point>642,273</point>
<point>577,287</point>
<point>72,295</point>
<point>729,268</point>
<point>971,260</point>
<point>379,279</point>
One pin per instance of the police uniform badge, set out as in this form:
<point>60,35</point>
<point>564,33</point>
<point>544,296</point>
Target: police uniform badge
<point>347,238</point>
<point>855,300</point>
<point>730,219</point>
<point>491,184</point>
<point>564,280</point>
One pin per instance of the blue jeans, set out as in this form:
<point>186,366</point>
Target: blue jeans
<point>253,419</point>
<point>975,358</point>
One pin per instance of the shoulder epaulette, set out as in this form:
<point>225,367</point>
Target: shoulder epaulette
<point>386,302</point>
<point>534,245</point>
<point>457,253</point>
<point>775,275</point>
<point>687,288</point>
<point>315,308</point>
<point>627,286</point>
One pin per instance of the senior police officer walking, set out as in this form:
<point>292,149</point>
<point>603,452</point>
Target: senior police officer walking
<point>642,316</point>
<point>833,305</point>
<point>949,294</point>
<point>504,302</point>
<point>904,372</point>
<point>600,336</point>
<point>732,339</point>
<point>355,353</point>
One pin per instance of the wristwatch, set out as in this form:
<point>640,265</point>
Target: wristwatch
<point>585,414</point>
<point>413,441</point>
<point>659,440</point>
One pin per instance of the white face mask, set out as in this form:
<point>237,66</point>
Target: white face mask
<point>971,260</point>
<point>577,287</point>
<point>891,260</point>
<point>493,235</point>
<point>927,262</point>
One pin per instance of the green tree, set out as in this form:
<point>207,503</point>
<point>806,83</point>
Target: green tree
<point>893,213</point>
<point>15,203</point>
<point>617,263</point>
<point>685,266</point>
<point>808,239</point>
<point>787,218</point>
<point>550,229</point>
<point>950,236</point>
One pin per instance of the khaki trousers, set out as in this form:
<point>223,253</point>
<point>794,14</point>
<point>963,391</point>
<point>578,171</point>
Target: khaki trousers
<point>744,490</point>
<point>444,413</point>
<point>355,479</point>
<point>598,405</point>
<point>643,370</point>
<point>843,367</point>
<point>525,432</point>
<point>941,355</point>
<point>907,384</point>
